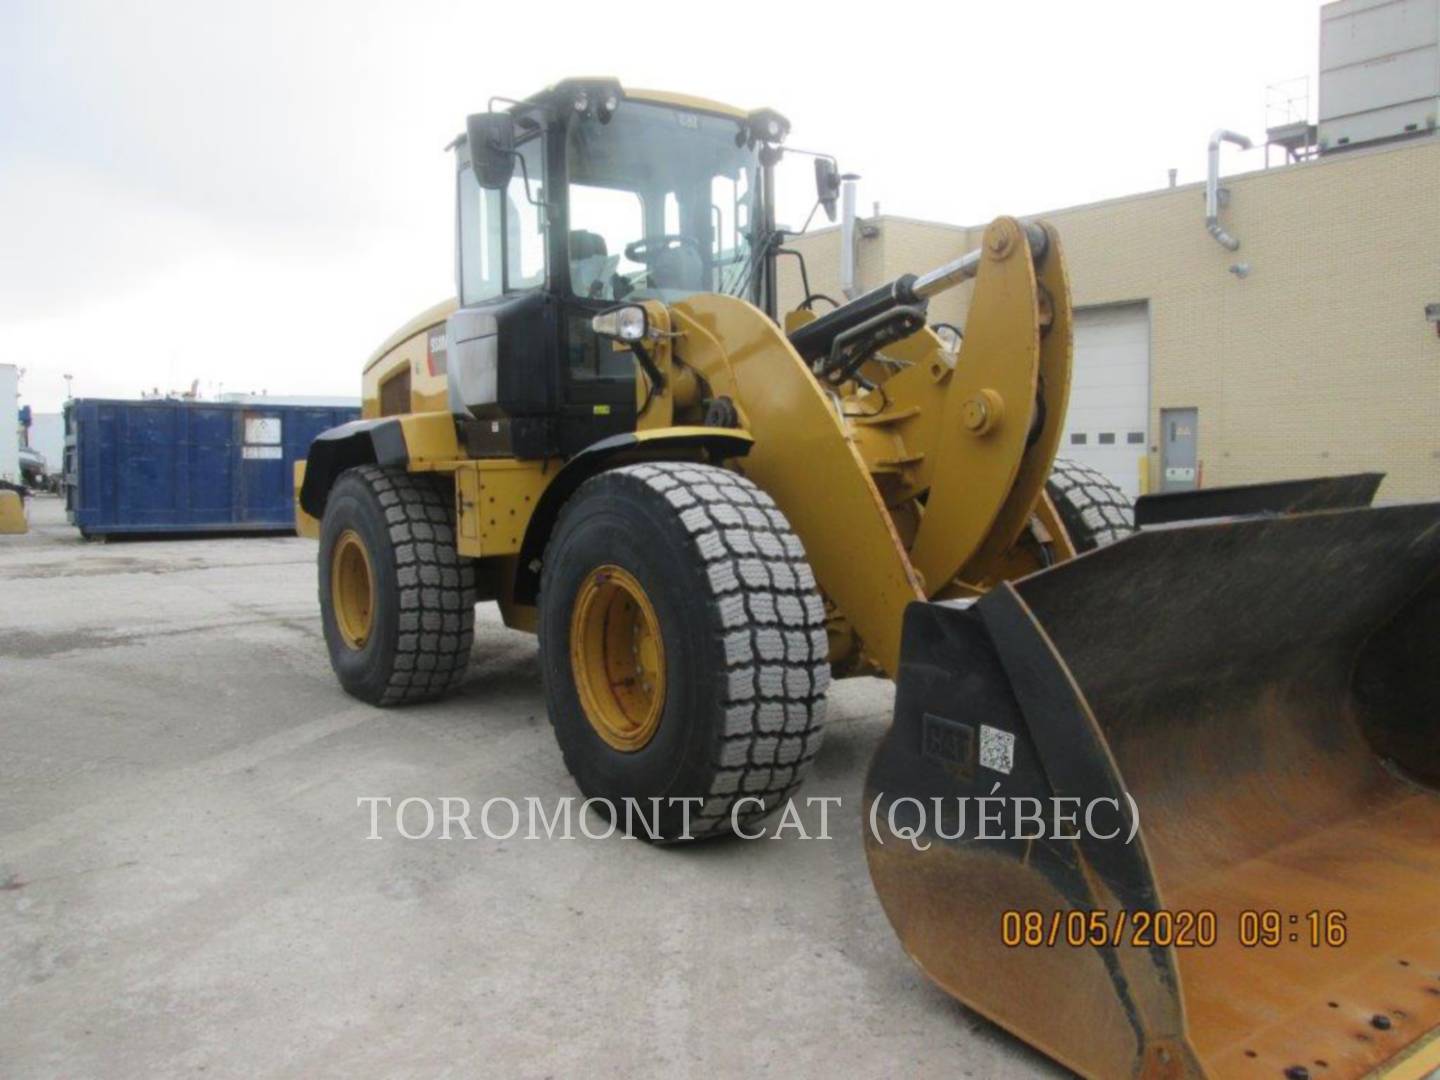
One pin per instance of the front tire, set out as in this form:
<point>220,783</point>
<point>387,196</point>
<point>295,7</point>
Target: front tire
<point>1093,509</point>
<point>683,647</point>
<point>397,601</point>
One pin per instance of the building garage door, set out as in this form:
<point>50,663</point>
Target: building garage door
<point>1108,425</point>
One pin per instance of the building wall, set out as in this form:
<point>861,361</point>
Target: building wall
<point>47,435</point>
<point>910,246</point>
<point>1319,362</point>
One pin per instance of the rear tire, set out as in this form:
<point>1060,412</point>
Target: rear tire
<point>409,638</point>
<point>1094,511</point>
<point>745,658</point>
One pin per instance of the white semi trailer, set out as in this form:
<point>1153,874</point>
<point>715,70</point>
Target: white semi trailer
<point>9,423</point>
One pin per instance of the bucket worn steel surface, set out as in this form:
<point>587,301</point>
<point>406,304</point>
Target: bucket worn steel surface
<point>1279,497</point>
<point>1267,693</point>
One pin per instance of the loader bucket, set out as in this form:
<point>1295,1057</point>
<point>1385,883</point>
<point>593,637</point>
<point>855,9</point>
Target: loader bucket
<point>1267,691</point>
<point>1277,497</point>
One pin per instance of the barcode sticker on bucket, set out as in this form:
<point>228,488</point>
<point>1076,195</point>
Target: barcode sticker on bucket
<point>997,749</point>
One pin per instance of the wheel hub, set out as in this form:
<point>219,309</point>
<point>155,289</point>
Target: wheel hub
<point>618,657</point>
<point>352,589</point>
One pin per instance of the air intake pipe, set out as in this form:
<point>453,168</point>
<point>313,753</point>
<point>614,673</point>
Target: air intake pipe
<point>1212,187</point>
<point>847,236</point>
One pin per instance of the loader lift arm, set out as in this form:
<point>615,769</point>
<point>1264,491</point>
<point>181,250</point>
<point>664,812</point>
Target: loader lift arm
<point>973,469</point>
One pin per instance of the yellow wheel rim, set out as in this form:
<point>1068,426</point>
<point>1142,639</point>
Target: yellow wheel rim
<point>618,657</point>
<point>352,589</point>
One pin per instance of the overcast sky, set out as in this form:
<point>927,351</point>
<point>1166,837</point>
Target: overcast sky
<point>255,194</point>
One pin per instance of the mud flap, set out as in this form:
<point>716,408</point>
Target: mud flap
<point>1249,714</point>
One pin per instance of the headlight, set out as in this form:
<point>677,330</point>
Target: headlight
<point>767,125</point>
<point>628,323</point>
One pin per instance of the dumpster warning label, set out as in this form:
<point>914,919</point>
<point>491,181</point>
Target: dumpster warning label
<point>262,430</point>
<point>262,439</point>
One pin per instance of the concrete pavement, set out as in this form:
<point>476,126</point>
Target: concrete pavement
<point>186,886</point>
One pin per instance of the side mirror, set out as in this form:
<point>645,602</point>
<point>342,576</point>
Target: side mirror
<point>491,139</point>
<point>827,184</point>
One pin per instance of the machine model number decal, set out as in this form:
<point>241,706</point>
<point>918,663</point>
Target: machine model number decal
<point>435,351</point>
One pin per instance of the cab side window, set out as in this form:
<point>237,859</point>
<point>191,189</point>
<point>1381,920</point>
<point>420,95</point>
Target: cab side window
<point>490,263</point>
<point>480,277</point>
<point>525,224</point>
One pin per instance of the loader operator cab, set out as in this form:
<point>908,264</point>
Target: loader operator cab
<point>576,200</point>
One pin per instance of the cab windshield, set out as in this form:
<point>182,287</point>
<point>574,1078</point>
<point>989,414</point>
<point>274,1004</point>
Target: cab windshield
<point>662,204</point>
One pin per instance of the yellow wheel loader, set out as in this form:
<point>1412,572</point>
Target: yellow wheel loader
<point>706,508</point>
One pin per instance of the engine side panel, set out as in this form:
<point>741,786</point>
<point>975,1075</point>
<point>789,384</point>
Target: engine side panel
<point>416,351</point>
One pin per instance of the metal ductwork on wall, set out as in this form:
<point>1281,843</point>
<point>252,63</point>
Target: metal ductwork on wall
<point>847,236</point>
<point>1212,186</point>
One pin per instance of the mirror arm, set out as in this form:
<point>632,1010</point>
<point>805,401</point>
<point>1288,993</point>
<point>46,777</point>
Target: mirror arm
<point>525,176</point>
<point>809,218</point>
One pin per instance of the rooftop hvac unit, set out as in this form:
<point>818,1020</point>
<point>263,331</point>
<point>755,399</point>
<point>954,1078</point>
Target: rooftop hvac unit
<point>1379,71</point>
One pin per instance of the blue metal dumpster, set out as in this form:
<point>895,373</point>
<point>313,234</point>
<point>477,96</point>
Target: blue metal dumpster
<point>186,466</point>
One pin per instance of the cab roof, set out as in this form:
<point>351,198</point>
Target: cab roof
<point>656,97</point>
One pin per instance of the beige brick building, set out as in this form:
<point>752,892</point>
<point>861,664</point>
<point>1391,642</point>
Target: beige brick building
<point>1313,356</point>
